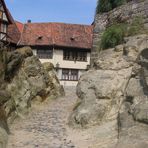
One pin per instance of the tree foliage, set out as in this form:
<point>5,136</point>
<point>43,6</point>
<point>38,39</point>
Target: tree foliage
<point>107,5</point>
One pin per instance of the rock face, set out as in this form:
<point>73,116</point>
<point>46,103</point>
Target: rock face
<point>23,79</point>
<point>125,13</point>
<point>27,80</point>
<point>55,88</point>
<point>4,97</point>
<point>117,90</point>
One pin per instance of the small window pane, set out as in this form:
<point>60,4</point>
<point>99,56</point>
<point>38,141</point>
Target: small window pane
<point>4,17</point>
<point>45,54</point>
<point>70,74</point>
<point>74,55</point>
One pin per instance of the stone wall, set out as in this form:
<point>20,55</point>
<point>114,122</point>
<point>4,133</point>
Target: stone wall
<point>124,13</point>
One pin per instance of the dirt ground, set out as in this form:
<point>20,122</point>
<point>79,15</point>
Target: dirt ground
<point>46,127</point>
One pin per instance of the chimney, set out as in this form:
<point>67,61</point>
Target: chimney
<point>28,21</point>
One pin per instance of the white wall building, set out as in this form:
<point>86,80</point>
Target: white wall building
<point>67,46</point>
<point>69,64</point>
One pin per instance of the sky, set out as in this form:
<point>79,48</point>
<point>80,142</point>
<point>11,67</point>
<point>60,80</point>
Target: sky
<point>67,11</point>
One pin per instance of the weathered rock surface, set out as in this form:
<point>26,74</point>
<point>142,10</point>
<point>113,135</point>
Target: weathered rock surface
<point>125,13</point>
<point>31,80</point>
<point>4,97</point>
<point>117,90</point>
<point>23,79</point>
<point>54,85</point>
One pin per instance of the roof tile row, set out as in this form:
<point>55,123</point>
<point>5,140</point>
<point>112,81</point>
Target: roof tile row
<point>55,34</point>
<point>58,34</point>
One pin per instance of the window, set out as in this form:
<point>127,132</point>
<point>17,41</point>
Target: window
<point>74,55</point>
<point>66,55</point>
<point>44,54</point>
<point>74,75</point>
<point>3,28</point>
<point>65,74</point>
<point>70,74</point>
<point>82,56</point>
<point>3,31</point>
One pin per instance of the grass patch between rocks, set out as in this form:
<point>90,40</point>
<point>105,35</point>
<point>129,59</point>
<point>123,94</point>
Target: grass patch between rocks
<point>114,35</point>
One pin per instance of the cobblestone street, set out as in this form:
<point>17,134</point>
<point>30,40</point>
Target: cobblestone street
<point>45,127</point>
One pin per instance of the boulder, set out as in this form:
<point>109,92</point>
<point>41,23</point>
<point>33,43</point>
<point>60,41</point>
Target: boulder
<point>116,89</point>
<point>54,84</point>
<point>25,51</point>
<point>2,65</point>
<point>22,79</point>
<point>13,61</point>
<point>30,80</point>
<point>4,97</point>
<point>99,91</point>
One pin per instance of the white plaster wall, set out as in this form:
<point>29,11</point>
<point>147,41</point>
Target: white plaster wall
<point>69,83</point>
<point>4,17</point>
<point>58,58</point>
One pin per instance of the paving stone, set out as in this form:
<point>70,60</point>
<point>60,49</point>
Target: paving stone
<point>45,127</point>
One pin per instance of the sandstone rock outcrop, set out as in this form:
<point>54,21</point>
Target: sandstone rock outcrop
<point>4,97</point>
<point>125,13</point>
<point>28,79</point>
<point>117,90</point>
<point>23,79</point>
<point>55,88</point>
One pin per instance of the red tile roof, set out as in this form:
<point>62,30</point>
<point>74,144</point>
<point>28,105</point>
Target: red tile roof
<point>20,26</point>
<point>57,34</point>
<point>13,33</point>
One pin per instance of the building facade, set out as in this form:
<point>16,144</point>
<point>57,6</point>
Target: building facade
<point>69,63</point>
<point>67,46</point>
<point>5,20</point>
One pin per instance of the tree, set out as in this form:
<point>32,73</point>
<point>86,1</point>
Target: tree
<point>103,6</point>
<point>107,5</point>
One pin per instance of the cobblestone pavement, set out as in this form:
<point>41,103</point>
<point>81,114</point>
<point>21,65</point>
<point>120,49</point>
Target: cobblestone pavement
<point>45,126</point>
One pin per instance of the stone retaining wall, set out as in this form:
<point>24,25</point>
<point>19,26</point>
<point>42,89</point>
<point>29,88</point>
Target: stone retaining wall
<point>124,13</point>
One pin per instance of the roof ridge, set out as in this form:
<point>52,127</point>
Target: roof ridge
<point>58,23</point>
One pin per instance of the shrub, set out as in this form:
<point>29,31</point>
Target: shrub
<point>103,6</point>
<point>112,36</point>
<point>116,3</point>
<point>136,27</point>
<point>107,5</point>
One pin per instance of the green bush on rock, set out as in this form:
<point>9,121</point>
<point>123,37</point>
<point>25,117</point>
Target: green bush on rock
<point>112,36</point>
